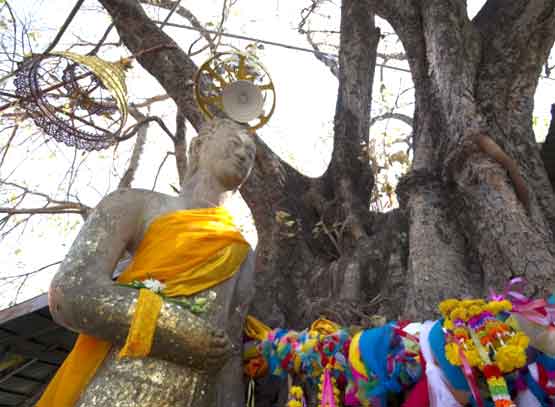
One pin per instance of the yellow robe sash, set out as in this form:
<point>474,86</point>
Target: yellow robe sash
<point>189,251</point>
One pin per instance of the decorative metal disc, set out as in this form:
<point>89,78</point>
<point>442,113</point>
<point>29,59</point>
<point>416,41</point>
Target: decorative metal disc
<point>232,75</point>
<point>78,100</point>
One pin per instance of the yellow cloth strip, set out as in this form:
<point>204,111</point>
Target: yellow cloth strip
<point>143,326</point>
<point>324,327</point>
<point>354,355</point>
<point>256,329</point>
<point>189,251</point>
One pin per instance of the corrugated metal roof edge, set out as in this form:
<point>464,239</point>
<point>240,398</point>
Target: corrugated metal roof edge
<point>24,308</point>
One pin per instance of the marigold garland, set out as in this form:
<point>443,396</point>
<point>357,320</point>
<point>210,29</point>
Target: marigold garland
<point>486,342</point>
<point>296,397</point>
<point>478,337</point>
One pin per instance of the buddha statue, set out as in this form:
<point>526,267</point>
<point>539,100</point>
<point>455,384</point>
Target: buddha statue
<point>184,243</point>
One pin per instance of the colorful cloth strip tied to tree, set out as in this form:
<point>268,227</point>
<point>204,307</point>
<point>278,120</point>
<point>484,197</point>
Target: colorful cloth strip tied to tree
<point>498,352</point>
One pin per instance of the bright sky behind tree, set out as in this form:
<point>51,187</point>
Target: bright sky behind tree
<point>300,130</point>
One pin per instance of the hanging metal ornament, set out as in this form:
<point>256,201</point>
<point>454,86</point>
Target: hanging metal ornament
<point>78,100</point>
<point>238,85</point>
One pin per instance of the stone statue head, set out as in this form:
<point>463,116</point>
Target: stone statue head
<point>223,149</point>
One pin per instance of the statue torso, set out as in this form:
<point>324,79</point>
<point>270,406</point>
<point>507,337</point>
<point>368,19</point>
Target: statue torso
<point>155,382</point>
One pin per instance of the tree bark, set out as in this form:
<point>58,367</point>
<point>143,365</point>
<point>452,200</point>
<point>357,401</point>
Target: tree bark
<point>460,94</point>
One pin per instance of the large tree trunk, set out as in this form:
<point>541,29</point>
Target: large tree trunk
<point>472,226</point>
<point>477,207</point>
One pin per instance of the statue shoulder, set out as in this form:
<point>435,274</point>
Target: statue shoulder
<point>131,200</point>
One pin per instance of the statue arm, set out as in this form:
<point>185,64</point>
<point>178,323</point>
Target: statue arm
<point>84,298</point>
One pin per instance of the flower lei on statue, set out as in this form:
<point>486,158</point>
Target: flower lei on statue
<point>477,337</point>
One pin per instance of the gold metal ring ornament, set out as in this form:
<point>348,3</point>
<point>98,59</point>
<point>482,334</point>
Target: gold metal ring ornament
<point>238,85</point>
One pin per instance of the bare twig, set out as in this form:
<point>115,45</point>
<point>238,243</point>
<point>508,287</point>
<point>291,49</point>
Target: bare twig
<point>131,131</point>
<point>56,209</point>
<point>7,146</point>
<point>32,272</point>
<point>64,26</point>
<point>31,192</point>
<point>176,5</point>
<point>7,4</point>
<point>18,291</point>
<point>185,13</point>
<point>151,100</point>
<point>101,41</point>
<point>169,153</point>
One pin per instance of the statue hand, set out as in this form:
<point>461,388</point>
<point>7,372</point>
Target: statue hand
<point>187,339</point>
<point>218,350</point>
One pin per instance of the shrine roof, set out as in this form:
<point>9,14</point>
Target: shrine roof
<point>32,348</point>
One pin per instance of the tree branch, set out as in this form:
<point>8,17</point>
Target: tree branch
<point>29,273</point>
<point>349,170</point>
<point>517,36</point>
<point>323,57</point>
<point>129,174</point>
<point>52,206</point>
<point>180,143</point>
<point>499,19</point>
<point>8,144</point>
<point>185,13</point>
<point>64,26</point>
<point>101,41</point>
<point>151,100</point>
<point>392,115</point>
<point>272,185</point>
<point>55,209</point>
<point>172,68</point>
<point>453,49</point>
<point>131,131</point>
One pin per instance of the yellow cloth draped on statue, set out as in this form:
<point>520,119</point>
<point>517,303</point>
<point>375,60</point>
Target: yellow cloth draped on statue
<point>189,251</point>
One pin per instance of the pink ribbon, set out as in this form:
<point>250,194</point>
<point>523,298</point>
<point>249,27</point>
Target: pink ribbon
<point>511,291</point>
<point>328,399</point>
<point>531,313</point>
<point>469,375</point>
<point>524,306</point>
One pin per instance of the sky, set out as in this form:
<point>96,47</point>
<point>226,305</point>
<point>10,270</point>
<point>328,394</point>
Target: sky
<point>300,131</point>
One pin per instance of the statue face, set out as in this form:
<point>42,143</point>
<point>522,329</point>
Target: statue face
<point>228,155</point>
